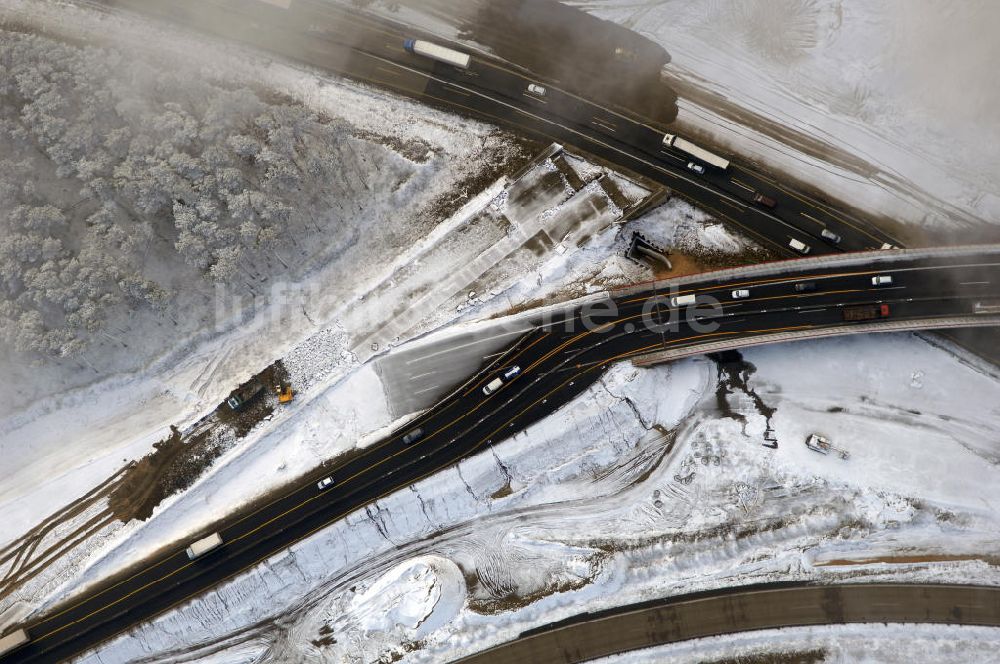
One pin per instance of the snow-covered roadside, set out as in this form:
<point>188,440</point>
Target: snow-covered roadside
<point>588,507</point>
<point>886,644</point>
<point>904,93</point>
<point>340,403</point>
<point>121,416</point>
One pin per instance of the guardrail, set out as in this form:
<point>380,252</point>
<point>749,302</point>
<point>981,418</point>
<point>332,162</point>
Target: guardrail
<point>795,265</point>
<point>660,356</point>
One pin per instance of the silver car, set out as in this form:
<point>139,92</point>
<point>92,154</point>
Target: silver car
<point>696,167</point>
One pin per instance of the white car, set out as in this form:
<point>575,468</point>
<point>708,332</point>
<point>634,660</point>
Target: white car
<point>799,246</point>
<point>882,280</point>
<point>536,89</point>
<point>492,386</point>
<point>324,483</point>
<point>741,294</point>
<point>696,167</point>
<point>499,381</point>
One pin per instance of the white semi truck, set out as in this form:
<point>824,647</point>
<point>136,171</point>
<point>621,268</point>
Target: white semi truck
<point>701,154</point>
<point>204,545</point>
<point>439,53</point>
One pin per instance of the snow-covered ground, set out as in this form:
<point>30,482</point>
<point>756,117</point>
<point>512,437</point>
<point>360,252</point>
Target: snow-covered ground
<point>340,401</point>
<point>192,369</point>
<point>589,506</point>
<point>889,106</point>
<point>646,486</point>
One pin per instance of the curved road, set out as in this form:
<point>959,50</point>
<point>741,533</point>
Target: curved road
<point>557,360</point>
<point>619,630</point>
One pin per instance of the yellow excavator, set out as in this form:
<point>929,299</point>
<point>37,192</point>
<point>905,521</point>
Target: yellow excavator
<point>285,392</point>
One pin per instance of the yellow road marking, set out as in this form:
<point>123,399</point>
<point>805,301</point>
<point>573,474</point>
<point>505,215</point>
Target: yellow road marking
<point>762,282</point>
<point>380,496</point>
<point>519,353</point>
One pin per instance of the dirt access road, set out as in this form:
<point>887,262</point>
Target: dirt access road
<point>590,636</point>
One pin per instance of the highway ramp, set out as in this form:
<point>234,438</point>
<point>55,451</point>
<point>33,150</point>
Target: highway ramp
<point>558,360</point>
<point>591,636</point>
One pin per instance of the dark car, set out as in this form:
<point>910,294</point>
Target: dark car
<point>766,201</point>
<point>511,372</point>
<point>805,287</point>
<point>413,436</point>
<point>830,236</point>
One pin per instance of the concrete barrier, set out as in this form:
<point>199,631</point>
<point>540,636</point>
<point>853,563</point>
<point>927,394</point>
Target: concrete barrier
<point>661,356</point>
<point>867,259</point>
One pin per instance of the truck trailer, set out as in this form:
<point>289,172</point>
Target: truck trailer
<point>204,545</point>
<point>701,154</point>
<point>866,312</point>
<point>435,52</point>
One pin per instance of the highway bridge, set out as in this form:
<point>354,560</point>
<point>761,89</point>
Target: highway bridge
<point>558,359</point>
<point>371,50</point>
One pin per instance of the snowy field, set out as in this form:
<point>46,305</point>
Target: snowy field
<point>891,105</point>
<point>646,486</point>
<point>337,320</point>
<point>174,375</point>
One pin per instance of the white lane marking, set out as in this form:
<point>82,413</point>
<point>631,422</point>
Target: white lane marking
<point>451,349</point>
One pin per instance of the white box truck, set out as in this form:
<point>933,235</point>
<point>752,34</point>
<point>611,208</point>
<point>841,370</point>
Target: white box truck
<point>13,641</point>
<point>683,300</point>
<point>204,545</point>
<point>701,154</point>
<point>440,53</point>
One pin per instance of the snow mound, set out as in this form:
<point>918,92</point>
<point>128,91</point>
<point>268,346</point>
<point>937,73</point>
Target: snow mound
<point>407,596</point>
<point>381,621</point>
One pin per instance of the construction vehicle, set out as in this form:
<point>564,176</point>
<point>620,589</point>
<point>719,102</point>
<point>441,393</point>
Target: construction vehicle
<point>244,394</point>
<point>284,392</point>
<point>818,443</point>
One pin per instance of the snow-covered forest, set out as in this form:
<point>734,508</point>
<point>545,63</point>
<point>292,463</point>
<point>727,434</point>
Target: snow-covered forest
<point>116,175</point>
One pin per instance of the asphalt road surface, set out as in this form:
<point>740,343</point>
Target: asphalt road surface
<point>327,37</point>
<point>557,360</point>
<point>741,609</point>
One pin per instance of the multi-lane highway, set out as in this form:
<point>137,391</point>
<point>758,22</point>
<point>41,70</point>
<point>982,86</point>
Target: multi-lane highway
<point>371,50</point>
<point>557,360</point>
